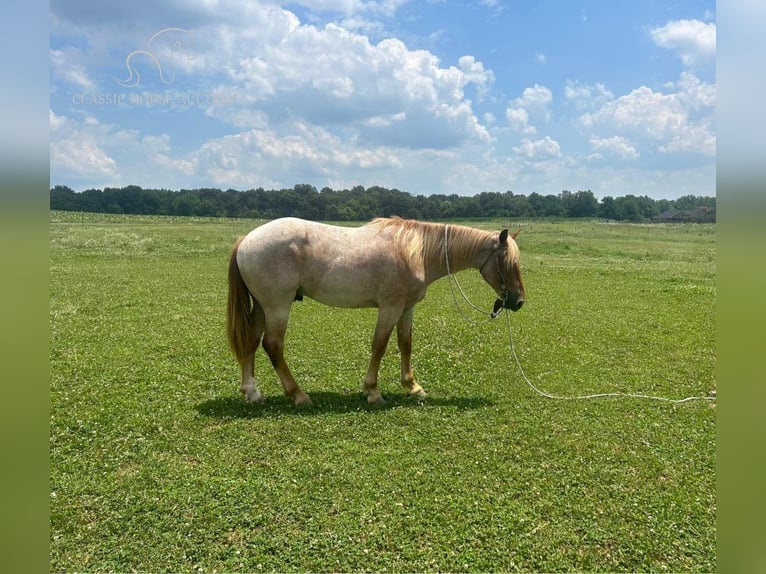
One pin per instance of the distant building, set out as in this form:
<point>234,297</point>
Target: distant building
<point>698,215</point>
<point>669,216</point>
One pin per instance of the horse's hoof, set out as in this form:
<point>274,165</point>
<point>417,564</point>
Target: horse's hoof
<point>413,389</point>
<point>377,401</point>
<point>254,397</point>
<point>303,401</point>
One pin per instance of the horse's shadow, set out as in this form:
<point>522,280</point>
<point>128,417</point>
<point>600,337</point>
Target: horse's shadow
<point>233,407</point>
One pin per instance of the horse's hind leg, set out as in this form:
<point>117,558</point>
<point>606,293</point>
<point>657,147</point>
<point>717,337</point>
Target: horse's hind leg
<point>248,387</point>
<point>404,339</point>
<point>274,345</point>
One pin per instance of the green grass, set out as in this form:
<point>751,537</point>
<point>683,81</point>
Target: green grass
<point>156,464</point>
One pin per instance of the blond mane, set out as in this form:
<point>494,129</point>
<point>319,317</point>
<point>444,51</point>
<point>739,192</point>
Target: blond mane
<point>422,242</point>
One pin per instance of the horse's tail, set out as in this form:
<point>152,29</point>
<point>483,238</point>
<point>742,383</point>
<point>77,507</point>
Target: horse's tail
<point>239,311</point>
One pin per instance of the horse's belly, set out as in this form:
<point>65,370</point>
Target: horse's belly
<point>342,296</point>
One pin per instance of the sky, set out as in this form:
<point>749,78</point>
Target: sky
<point>428,97</point>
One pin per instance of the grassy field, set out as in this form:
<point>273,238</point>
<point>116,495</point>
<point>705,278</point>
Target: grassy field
<point>156,464</point>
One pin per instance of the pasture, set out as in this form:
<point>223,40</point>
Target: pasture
<point>156,463</point>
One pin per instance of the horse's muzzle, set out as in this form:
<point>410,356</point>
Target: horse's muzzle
<point>507,302</point>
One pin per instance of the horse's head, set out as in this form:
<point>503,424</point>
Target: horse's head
<point>501,271</point>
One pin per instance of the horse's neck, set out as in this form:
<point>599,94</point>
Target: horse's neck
<point>465,248</point>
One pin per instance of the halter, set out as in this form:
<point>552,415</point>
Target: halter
<point>499,251</point>
<point>505,293</point>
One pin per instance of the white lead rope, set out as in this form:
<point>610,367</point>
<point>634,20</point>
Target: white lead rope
<point>597,395</point>
<point>489,316</point>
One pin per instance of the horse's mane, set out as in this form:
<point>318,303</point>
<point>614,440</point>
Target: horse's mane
<point>423,242</point>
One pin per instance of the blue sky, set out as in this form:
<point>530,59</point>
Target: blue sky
<point>428,97</point>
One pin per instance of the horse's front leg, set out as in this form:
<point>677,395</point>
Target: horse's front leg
<point>404,338</point>
<point>387,318</point>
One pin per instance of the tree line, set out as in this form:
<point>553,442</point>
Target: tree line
<point>358,204</point>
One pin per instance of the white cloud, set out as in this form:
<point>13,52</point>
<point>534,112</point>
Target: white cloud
<point>332,76</point>
<point>693,40</point>
<point>536,97</point>
<point>695,95</point>
<point>615,145</point>
<point>384,7</point>
<point>76,149</point>
<point>265,157</point>
<point>534,103</point>
<point>537,150</point>
<point>681,120</point>
<point>67,65</point>
<point>585,96</point>
<point>87,150</point>
<point>518,120</point>
<point>321,74</point>
<point>476,74</point>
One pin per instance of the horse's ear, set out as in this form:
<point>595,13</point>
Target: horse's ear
<point>503,237</point>
<point>515,234</point>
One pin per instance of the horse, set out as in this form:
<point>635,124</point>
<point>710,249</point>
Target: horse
<point>387,263</point>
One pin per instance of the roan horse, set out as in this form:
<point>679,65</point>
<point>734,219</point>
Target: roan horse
<point>388,264</point>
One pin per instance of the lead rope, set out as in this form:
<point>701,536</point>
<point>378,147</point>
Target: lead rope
<point>453,279</point>
<point>454,282</point>
<point>597,395</point>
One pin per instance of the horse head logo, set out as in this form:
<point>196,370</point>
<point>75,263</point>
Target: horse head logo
<point>153,53</point>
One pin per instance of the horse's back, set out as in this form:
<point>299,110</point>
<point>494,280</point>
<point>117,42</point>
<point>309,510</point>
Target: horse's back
<point>289,235</point>
<point>339,266</point>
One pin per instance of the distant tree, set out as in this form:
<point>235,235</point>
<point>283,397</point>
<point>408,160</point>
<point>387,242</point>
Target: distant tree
<point>608,208</point>
<point>663,205</point>
<point>552,207</point>
<point>92,200</point>
<point>580,204</point>
<point>517,205</point>
<point>536,203</point>
<point>63,198</point>
<point>358,203</point>
<point>629,208</point>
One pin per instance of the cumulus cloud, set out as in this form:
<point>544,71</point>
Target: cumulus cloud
<point>534,103</point>
<point>586,96</point>
<point>269,158</point>
<point>693,40</point>
<point>476,74</point>
<point>76,149</point>
<point>615,145</point>
<point>384,7</point>
<point>538,150</point>
<point>88,150</point>
<point>680,120</point>
<point>337,77</point>
<point>326,75</point>
<point>518,120</point>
